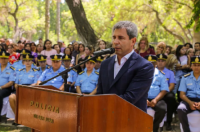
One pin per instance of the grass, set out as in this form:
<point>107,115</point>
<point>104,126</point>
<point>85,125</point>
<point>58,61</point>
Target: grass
<point>12,129</point>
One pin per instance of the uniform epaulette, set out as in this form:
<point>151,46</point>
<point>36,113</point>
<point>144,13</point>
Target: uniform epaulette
<point>81,72</point>
<point>21,69</point>
<point>162,72</point>
<point>75,70</point>
<point>96,72</point>
<point>12,68</point>
<point>186,75</point>
<point>48,67</point>
<point>34,69</point>
<point>34,64</point>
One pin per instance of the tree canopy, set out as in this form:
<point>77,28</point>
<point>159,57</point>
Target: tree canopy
<point>171,21</point>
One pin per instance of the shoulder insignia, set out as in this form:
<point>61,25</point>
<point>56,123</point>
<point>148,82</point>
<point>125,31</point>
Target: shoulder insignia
<point>34,69</point>
<point>21,69</point>
<point>186,75</point>
<point>34,64</point>
<point>48,67</point>
<point>81,72</point>
<point>162,72</point>
<point>75,70</point>
<point>97,73</point>
<point>12,68</point>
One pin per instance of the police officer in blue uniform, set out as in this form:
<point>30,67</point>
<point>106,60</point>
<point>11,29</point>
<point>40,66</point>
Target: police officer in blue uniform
<point>20,64</point>
<point>42,59</point>
<point>170,96</point>
<point>7,77</point>
<point>190,93</point>
<point>87,80</point>
<point>72,75</point>
<point>157,91</point>
<point>56,68</point>
<point>99,59</point>
<point>25,76</point>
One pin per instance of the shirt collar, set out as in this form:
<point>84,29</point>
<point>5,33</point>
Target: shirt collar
<point>60,69</point>
<point>156,71</point>
<point>127,56</point>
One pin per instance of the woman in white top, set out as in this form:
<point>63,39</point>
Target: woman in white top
<point>183,66</point>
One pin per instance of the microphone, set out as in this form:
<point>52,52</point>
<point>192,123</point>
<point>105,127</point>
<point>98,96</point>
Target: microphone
<point>104,51</point>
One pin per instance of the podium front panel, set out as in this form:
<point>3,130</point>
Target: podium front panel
<point>47,110</point>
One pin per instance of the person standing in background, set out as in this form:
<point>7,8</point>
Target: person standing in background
<point>48,51</point>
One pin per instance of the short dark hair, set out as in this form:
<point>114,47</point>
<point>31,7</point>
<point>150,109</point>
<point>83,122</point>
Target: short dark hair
<point>131,28</point>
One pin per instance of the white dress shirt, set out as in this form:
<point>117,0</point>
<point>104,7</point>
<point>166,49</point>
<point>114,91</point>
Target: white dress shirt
<point>117,67</point>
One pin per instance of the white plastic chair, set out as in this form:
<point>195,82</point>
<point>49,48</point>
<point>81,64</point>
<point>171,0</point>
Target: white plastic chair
<point>151,112</point>
<point>194,121</point>
<point>10,113</point>
<point>5,103</point>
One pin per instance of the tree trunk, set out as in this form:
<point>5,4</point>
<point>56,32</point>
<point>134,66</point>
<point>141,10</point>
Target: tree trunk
<point>196,36</point>
<point>83,27</point>
<point>47,18</point>
<point>16,34</point>
<point>58,20</point>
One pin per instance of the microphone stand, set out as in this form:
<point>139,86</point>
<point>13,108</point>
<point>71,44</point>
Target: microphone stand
<point>64,74</point>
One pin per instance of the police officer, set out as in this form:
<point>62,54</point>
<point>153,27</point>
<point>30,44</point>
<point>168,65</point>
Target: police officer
<point>42,59</point>
<point>56,68</point>
<point>87,80</point>
<point>7,77</point>
<point>170,96</point>
<point>72,75</point>
<point>25,76</point>
<point>20,64</point>
<point>190,93</point>
<point>157,91</point>
<point>99,59</point>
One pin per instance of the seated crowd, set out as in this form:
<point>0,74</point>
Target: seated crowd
<point>176,74</point>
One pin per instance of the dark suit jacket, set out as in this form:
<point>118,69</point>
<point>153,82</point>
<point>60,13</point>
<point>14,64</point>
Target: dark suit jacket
<point>132,82</point>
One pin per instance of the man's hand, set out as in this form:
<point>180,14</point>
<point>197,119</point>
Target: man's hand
<point>153,102</point>
<point>148,103</point>
<point>192,105</point>
<point>197,105</point>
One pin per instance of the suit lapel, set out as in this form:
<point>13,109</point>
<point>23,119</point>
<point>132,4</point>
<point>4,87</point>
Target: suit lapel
<point>128,64</point>
<point>111,70</point>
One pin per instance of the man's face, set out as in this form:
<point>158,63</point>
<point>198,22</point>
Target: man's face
<point>66,63</point>
<point>56,65</point>
<point>97,65</point>
<point>196,68</point>
<point>196,47</point>
<point>42,64</point>
<point>28,63</point>
<point>121,42</point>
<point>4,61</point>
<point>75,46</point>
<point>21,46</point>
<point>161,64</point>
<point>90,65</point>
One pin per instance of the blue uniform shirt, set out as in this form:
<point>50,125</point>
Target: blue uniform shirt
<point>29,77</point>
<point>7,75</point>
<point>49,73</point>
<point>190,86</point>
<point>158,84</point>
<point>72,76</point>
<point>169,76</point>
<point>97,70</point>
<point>19,65</point>
<point>40,70</point>
<point>87,83</point>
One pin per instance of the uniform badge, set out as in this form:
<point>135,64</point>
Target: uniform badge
<point>189,84</point>
<point>7,72</point>
<point>149,58</point>
<point>197,60</point>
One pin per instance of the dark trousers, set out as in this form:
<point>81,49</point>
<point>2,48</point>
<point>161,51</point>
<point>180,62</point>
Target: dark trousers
<point>170,100</point>
<point>160,110</point>
<point>183,110</point>
<point>4,93</point>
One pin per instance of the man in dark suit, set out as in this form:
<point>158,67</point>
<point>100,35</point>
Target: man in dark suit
<point>126,74</point>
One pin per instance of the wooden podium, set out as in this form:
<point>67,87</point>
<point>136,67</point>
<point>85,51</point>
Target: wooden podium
<point>46,109</point>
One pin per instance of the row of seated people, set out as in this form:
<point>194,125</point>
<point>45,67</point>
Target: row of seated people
<point>24,72</point>
<point>161,98</point>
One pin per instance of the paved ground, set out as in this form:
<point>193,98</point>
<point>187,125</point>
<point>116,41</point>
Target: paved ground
<point>8,127</point>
